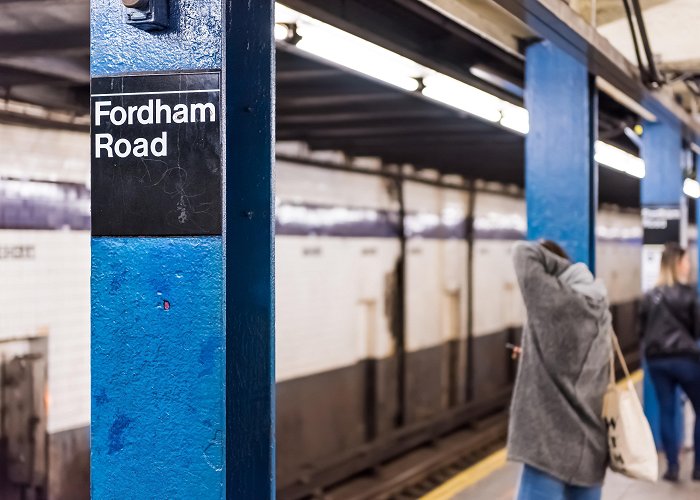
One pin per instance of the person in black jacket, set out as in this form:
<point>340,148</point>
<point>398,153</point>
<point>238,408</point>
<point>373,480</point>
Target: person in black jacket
<point>669,327</point>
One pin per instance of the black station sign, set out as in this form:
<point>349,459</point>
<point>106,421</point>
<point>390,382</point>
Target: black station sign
<point>156,155</point>
<point>661,225</point>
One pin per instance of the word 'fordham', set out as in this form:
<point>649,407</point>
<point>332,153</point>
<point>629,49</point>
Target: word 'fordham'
<point>154,112</point>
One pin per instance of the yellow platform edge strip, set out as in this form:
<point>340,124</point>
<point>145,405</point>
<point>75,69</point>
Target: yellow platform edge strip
<point>487,466</point>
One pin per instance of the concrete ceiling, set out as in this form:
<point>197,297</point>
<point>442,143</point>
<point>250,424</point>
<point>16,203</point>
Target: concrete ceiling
<point>607,11</point>
<point>45,55</point>
<point>672,29</point>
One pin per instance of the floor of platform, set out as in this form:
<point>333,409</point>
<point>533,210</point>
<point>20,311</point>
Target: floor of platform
<point>495,479</point>
<point>502,483</point>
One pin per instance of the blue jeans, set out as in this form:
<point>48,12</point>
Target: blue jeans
<point>538,485</point>
<point>668,374</point>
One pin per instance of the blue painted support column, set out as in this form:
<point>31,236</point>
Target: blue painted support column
<point>183,325</point>
<point>561,180</point>
<point>249,246</point>
<point>661,151</point>
<point>662,187</point>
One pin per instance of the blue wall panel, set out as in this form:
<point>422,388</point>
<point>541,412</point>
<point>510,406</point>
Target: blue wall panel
<point>158,355</point>
<point>560,175</point>
<point>661,150</point>
<point>193,41</point>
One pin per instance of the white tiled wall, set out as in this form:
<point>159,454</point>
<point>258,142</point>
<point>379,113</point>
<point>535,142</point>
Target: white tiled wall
<point>331,308</point>
<point>49,294</point>
<point>619,254</point>
<point>44,154</point>
<point>326,316</point>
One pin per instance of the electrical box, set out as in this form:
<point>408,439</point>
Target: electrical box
<point>148,15</point>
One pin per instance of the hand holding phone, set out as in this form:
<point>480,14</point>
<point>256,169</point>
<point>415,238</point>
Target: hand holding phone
<point>516,351</point>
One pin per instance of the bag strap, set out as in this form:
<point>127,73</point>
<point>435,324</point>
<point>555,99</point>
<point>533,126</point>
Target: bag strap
<point>617,351</point>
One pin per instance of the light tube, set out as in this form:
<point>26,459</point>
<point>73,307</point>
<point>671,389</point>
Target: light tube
<point>359,55</point>
<point>691,188</point>
<point>281,31</point>
<point>615,158</point>
<point>515,118</point>
<point>340,47</point>
<point>459,95</point>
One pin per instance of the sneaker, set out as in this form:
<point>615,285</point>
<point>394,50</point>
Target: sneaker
<point>672,474</point>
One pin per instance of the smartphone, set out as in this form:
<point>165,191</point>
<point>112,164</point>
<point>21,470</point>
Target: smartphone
<point>515,350</point>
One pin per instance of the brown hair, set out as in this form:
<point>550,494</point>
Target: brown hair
<point>555,248</point>
<point>668,273</point>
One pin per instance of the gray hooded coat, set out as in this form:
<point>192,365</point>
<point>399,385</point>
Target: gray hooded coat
<point>555,422</point>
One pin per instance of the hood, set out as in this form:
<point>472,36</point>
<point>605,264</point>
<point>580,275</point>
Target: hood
<point>581,280</point>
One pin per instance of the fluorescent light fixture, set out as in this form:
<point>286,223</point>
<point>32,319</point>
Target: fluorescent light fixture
<point>515,118</point>
<point>459,95</point>
<point>340,47</point>
<point>476,102</point>
<point>350,51</point>
<point>281,31</point>
<point>615,158</point>
<point>691,188</point>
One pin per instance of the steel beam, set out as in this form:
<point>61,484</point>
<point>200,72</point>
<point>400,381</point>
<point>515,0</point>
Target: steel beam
<point>75,41</point>
<point>555,21</point>
<point>662,188</point>
<point>561,182</point>
<point>56,69</point>
<point>183,320</point>
<point>249,244</point>
<point>662,147</point>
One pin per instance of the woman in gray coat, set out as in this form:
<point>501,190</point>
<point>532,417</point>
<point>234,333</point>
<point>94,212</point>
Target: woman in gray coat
<point>556,429</point>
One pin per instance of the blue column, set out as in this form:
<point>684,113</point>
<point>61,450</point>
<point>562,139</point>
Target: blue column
<point>561,182</point>
<point>249,246</point>
<point>662,187</point>
<point>182,325</point>
<point>661,150</point>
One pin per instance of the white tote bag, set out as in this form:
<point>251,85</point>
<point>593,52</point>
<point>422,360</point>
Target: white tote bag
<point>630,441</point>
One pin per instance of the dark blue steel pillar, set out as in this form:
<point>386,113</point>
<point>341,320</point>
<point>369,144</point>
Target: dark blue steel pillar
<point>183,320</point>
<point>662,148</point>
<point>249,249</point>
<point>561,182</point>
<point>661,190</point>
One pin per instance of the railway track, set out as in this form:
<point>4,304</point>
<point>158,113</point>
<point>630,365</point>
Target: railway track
<point>406,458</point>
<point>414,474</point>
<point>416,460</point>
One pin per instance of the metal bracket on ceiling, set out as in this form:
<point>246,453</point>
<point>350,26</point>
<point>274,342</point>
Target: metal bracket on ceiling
<point>650,74</point>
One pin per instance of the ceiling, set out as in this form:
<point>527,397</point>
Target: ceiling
<point>672,29</point>
<point>45,53</point>
<point>606,11</point>
<point>44,61</point>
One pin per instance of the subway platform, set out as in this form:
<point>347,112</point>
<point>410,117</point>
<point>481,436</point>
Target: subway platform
<point>494,478</point>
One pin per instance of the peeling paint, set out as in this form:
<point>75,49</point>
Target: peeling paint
<point>101,398</point>
<point>207,353</point>
<point>214,452</point>
<point>116,433</point>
